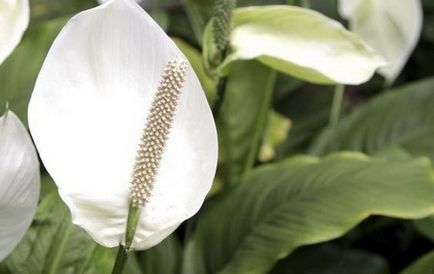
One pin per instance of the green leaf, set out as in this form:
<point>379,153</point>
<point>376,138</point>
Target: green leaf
<point>426,227</point>
<point>391,27</point>
<point>308,119</point>
<point>301,201</point>
<point>401,117</point>
<point>243,116</point>
<point>162,18</point>
<point>43,10</point>
<point>199,12</point>
<point>424,265</point>
<point>18,73</point>
<point>164,258</point>
<point>302,43</point>
<point>330,259</point>
<point>53,245</point>
<point>195,59</point>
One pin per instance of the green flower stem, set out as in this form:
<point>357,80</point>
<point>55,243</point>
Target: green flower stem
<point>123,251</point>
<point>261,125</point>
<point>336,105</point>
<point>132,221</point>
<point>121,260</point>
<point>221,89</point>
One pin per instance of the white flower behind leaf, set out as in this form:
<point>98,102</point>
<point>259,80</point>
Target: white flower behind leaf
<point>19,182</point>
<point>391,27</point>
<point>116,106</point>
<point>14,19</point>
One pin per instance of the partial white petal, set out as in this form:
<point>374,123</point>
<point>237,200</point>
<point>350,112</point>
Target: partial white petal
<point>19,182</point>
<point>14,19</point>
<point>391,27</point>
<point>87,113</point>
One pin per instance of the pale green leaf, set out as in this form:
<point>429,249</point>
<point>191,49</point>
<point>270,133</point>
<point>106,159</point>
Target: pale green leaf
<point>302,201</point>
<point>391,27</point>
<point>302,43</point>
<point>200,12</point>
<point>400,117</point>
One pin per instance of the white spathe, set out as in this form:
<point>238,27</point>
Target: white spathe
<point>19,182</point>
<point>14,19</point>
<point>87,113</point>
<point>391,27</point>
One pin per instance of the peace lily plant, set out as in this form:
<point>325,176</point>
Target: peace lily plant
<point>122,124</point>
<point>123,127</point>
<point>19,182</point>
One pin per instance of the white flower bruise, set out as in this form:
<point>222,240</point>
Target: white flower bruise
<point>155,134</point>
<point>14,19</point>
<point>19,182</point>
<point>113,87</point>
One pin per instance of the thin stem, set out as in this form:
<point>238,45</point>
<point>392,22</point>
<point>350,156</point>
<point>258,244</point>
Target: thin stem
<point>260,125</point>
<point>132,220</point>
<point>221,90</point>
<point>336,105</point>
<point>121,260</point>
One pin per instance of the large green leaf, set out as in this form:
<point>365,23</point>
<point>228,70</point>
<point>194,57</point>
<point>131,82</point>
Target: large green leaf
<point>243,116</point>
<point>18,73</point>
<point>389,26</point>
<point>424,265</point>
<point>303,201</point>
<point>401,117</point>
<point>299,42</point>
<point>330,259</point>
<point>53,245</point>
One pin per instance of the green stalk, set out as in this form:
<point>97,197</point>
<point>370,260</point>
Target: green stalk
<point>336,105</point>
<point>123,251</point>
<point>121,260</point>
<point>221,89</point>
<point>132,221</point>
<point>261,124</point>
